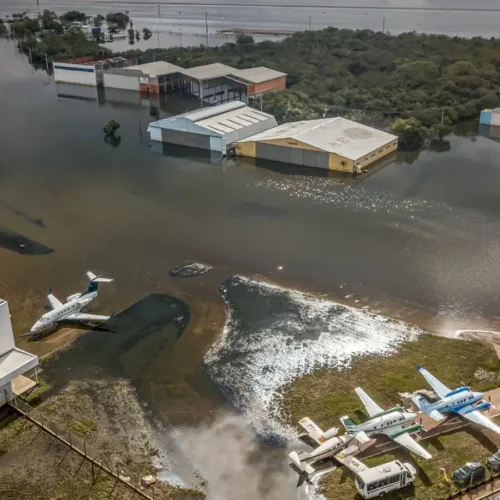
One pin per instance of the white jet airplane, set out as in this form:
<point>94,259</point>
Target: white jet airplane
<point>460,401</point>
<point>389,422</point>
<point>329,443</point>
<point>70,311</point>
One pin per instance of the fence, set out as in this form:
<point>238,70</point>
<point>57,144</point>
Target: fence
<point>76,444</point>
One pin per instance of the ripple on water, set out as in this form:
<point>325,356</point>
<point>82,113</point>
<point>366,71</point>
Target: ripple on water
<point>273,335</point>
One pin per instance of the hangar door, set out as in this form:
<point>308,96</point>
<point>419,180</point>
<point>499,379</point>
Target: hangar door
<point>186,139</point>
<point>294,156</point>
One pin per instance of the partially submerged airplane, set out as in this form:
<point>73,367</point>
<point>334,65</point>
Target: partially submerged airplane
<point>389,422</point>
<point>70,312</point>
<point>329,443</point>
<point>461,401</point>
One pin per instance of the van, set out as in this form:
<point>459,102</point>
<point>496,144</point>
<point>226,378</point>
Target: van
<point>377,481</point>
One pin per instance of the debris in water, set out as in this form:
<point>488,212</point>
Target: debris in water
<point>194,269</point>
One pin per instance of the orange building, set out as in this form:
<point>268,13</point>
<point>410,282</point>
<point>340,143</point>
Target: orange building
<point>259,80</point>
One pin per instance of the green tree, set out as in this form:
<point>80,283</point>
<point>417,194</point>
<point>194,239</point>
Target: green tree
<point>74,16</point>
<point>98,20</point>
<point>440,130</point>
<point>147,33</point>
<point>243,39</point>
<point>410,131</point>
<point>118,18</point>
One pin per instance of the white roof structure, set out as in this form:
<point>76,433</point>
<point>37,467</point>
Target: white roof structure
<point>335,135</point>
<point>257,75</point>
<point>13,361</point>
<point>233,121</point>
<point>157,68</point>
<point>209,71</point>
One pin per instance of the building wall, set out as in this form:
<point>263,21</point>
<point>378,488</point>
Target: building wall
<point>268,86</point>
<point>6,334</point>
<point>340,163</point>
<point>81,74</point>
<point>6,393</point>
<point>247,149</point>
<point>122,82</point>
<point>376,154</point>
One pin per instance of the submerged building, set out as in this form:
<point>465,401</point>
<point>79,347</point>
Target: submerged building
<point>329,143</point>
<point>14,362</point>
<point>215,128</point>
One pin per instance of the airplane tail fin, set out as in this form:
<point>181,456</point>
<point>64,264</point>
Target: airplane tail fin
<point>304,470</point>
<point>347,422</point>
<point>95,280</point>
<point>421,403</point>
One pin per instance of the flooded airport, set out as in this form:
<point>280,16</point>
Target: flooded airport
<point>296,266</point>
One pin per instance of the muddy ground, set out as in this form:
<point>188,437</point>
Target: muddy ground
<point>107,415</point>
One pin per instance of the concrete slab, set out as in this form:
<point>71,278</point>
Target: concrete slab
<point>21,385</point>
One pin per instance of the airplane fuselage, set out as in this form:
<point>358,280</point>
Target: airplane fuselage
<point>455,401</point>
<point>385,423</point>
<point>51,318</point>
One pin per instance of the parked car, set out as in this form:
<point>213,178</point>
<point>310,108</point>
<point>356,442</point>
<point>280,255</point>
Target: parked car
<point>471,472</point>
<point>493,462</point>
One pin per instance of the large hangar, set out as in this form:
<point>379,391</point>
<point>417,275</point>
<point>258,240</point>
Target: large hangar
<point>216,128</point>
<point>329,143</point>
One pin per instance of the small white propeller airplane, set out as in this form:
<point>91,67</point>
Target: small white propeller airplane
<point>461,401</point>
<point>389,422</point>
<point>328,444</point>
<point>70,312</point>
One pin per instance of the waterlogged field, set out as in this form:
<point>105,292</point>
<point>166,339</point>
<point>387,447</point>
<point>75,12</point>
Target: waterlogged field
<point>273,335</point>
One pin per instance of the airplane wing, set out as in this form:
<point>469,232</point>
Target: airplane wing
<point>438,387</point>
<point>53,301</point>
<point>408,442</point>
<point>312,429</point>
<point>478,418</point>
<point>85,318</point>
<point>371,407</point>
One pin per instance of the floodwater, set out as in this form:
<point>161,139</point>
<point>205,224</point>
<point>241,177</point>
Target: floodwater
<point>417,241</point>
<point>186,19</point>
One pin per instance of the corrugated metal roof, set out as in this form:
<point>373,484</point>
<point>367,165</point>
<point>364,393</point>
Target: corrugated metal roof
<point>201,114</point>
<point>208,71</point>
<point>234,120</point>
<point>158,68</point>
<point>223,119</point>
<point>257,75</point>
<point>336,135</point>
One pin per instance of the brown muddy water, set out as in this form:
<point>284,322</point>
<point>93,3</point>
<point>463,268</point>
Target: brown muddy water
<point>418,241</point>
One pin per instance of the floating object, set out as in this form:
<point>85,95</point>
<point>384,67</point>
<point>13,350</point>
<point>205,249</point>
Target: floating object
<point>190,270</point>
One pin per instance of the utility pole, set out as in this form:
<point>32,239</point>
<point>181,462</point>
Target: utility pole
<point>310,23</point>
<point>383,25</point>
<point>158,31</point>
<point>180,25</point>
<point>206,26</point>
<point>46,63</point>
<point>442,116</point>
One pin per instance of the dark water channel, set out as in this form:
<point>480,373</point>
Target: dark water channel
<point>417,240</point>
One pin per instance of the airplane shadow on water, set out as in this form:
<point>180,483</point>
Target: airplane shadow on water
<point>125,346</point>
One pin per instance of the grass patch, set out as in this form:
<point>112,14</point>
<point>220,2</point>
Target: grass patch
<point>327,394</point>
<point>83,427</point>
<point>35,395</point>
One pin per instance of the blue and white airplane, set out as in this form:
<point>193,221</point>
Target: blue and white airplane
<point>461,401</point>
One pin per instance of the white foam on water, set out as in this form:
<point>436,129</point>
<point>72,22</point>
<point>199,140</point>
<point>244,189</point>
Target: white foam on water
<point>252,369</point>
<point>356,198</point>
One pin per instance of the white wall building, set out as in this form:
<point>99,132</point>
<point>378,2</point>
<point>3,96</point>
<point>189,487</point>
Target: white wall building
<point>13,361</point>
